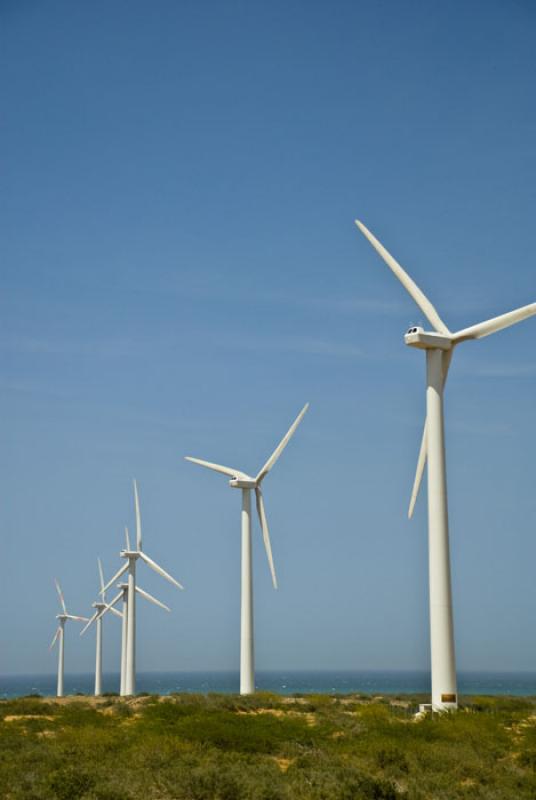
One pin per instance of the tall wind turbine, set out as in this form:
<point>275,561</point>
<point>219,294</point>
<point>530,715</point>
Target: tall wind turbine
<point>60,634</point>
<point>99,606</point>
<point>439,344</point>
<point>240,480</point>
<point>131,557</point>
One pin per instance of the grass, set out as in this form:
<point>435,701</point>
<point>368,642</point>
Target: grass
<point>265,747</point>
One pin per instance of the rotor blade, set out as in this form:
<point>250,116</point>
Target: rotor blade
<point>53,642</point>
<point>281,446</point>
<point>116,612</point>
<point>115,577</point>
<point>162,572</point>
<point>101,576</point>
<point>495,324</point>
<point>265,533</point>
<point>78,619</point>
<point>93,618</point>
<point>445,364</point>
<point>233,473</point>
<point>62,601</point>
<point>421,461</point>
<point>152,599</point>
<point>411,287</point>
<point>127,538</point>
<point>138,516</point>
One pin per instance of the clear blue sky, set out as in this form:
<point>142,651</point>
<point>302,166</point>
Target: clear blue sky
<point>180,273</point>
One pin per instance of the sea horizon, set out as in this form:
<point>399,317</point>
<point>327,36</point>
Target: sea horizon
<point>284,682</point>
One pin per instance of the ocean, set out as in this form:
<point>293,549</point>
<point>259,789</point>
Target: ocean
<point>291,682</point>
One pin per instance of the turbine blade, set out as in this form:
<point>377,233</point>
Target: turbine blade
<point>162,572</point>
<point>53,642</point>
<point>138,516</point>
<point>281,446</point>
<point>78,619</point>
<point>116,612</point>
<point>265,533</point>
<point>62,601</point>
<point>152,599</point>
<point>101,576</point>
<point>115,577</point>
<point>93,618</point>
<point>410,286</point>
<point>495,324</point>
<point>421,461</point>
<point>233,473</point>
<point>127,538</point>
<point>445,365</point>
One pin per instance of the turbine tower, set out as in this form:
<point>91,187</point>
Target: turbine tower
<point>60,634</point>
<point>99,606</point>
<point>439,344</point>
<point>240,480</point>
<point>131,556</point>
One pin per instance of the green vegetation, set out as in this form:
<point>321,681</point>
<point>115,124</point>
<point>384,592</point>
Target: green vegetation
<point>265,747</point>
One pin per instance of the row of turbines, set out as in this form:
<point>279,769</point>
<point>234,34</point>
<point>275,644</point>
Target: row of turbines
<point>439,345</point>
<point>127,594</point>
<point>128,591</point>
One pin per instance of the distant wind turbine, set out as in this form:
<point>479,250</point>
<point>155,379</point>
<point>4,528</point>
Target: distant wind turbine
<point>123,595</point>
<point>131,557</point>
<point>99,606</point>
<point>60,634</point>
<point>439,344</point>
<point>240,480</point>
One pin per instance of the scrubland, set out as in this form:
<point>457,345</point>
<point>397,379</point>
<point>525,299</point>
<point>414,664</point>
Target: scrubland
<point>265,747</point>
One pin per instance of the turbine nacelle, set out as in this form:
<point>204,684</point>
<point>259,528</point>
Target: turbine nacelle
<point>129,554</point>
<point>243,483</point>
<point>427,340</point>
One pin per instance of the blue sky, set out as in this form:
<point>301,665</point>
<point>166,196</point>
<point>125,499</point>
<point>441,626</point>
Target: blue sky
<point>181,272</point>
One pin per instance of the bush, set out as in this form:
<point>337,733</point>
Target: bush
<point>69,783</point>
<point>342,783</point>
<point>528,759</point>
<point>392,758</point>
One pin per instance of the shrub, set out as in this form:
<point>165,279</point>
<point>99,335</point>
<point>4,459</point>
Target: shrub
<point>392,758</point>
<point>528,759</point>
<point>69,783</point>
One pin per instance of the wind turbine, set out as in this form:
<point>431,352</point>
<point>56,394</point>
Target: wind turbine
<point>60,633</point>
<point>99,606</point>
<point>240,480</point>
<point>123,595</point>
<point>131,557</point>
<point>439,344</point>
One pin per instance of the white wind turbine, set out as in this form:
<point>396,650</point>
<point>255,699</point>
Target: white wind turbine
<point>240,480</point>
<point>99,606</point>
<point>60,633</point>
<point>439,345</point>
<point>123,595</point>
<point>131,557</point>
